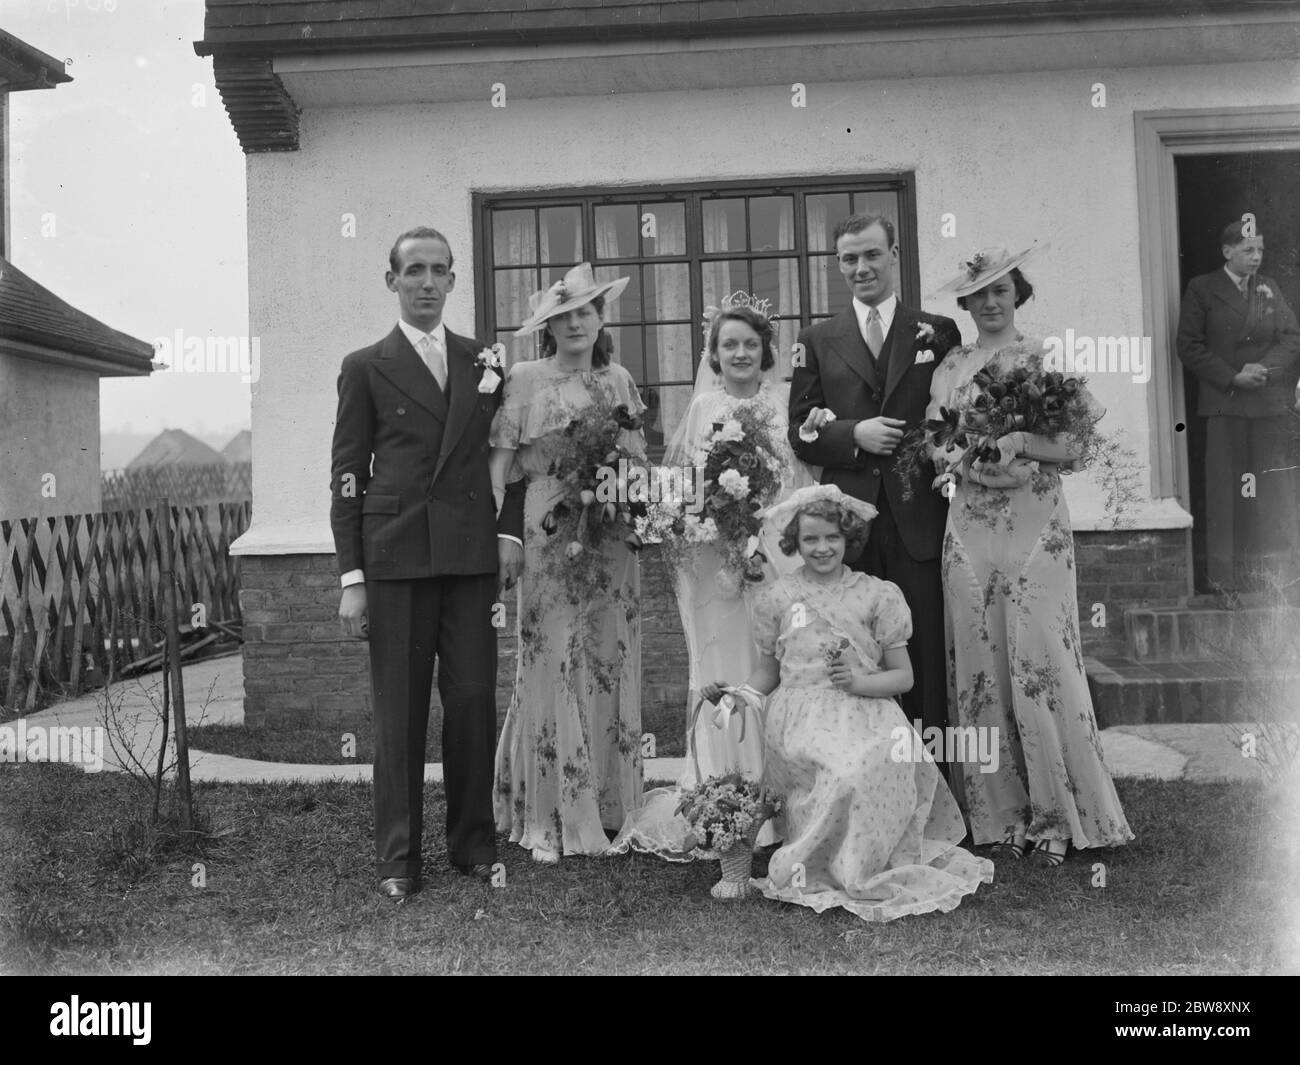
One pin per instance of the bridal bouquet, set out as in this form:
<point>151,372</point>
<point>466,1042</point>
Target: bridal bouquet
<point>742,475</point>
<point>1004,400</point>
<point>593,510</point>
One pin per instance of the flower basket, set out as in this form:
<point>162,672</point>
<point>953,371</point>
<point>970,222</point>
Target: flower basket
<point>725,814</point>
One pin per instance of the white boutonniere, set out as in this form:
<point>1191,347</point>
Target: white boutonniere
<point>924,332</point>
<point>1265,293</point>
<point>490,360</point>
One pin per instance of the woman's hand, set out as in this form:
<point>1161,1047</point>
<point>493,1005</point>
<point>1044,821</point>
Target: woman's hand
<point>713,692</point>
<point>1016,474</point>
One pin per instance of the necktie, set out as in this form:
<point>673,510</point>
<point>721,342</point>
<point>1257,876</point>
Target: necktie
<point>435,357</point>
<point>874,334</point>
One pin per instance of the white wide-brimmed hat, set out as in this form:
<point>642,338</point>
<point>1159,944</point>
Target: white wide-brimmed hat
<point>578,287</point>
<point>781,513</point>
<point>985,267</point>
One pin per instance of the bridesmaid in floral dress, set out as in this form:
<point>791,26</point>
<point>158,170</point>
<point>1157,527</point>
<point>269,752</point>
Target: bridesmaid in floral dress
<point>1016,662</point>
<point>568,763</point>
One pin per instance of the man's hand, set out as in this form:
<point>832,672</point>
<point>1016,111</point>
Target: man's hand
<point>352,612</point>
<point>878,435</point>
<point>1251,376</point>
<point>510,563</point>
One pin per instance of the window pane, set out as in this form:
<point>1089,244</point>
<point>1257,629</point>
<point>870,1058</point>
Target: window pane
<point>778,281</point>
<point>513,287</point>
<point>617,232</point>
<point>667,228</point>
<point>667,291</point>
<point>771,223</point>
<point>827,291</point>
<point>518,349</point>
<point>514,238</point>
<point>824,214</point>
<point>627,350</point>
<point>666,407</point>
<point>882,203</point>
<point>787,332</point>
<point>561,232</point>
<point>724,225</point>
<point>627,307</point>
<point>670,354</point>
<point>724,278</point>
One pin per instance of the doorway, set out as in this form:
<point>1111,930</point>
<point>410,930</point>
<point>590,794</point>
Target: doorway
<point>1212,190</point>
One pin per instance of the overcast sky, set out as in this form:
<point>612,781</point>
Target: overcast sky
<point>136,161</point>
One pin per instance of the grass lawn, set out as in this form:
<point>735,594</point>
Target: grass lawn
<point>290,889</point>
<point>303,743</point>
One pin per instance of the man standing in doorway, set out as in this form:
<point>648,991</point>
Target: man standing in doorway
<point>1239,337</point>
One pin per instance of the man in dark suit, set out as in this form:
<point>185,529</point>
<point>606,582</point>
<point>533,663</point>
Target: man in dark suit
<point>1239,337</point>
<point>871,366</point>
<point>418,547</point>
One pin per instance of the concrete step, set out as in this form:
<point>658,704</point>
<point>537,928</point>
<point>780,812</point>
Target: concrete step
<point>1128,692</point>
<point>1212,634</point>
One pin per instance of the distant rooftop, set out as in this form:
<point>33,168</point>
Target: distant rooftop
<point>35,323</point>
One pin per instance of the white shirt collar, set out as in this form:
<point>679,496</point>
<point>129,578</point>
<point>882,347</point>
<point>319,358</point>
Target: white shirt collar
<point>886,307</point>
<point>415,335</point>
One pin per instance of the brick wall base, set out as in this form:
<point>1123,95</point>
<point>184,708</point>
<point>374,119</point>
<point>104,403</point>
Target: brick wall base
<point>298,667</point>
<point>1123,569</point>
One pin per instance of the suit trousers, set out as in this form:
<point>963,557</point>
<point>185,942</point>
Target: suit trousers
<point>1247,537</point>
<point>921,583</point>
<point>412,623</point>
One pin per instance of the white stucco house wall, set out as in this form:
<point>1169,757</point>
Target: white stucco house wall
<point>710,146</point>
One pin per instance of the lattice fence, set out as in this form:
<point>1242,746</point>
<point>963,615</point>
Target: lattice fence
<point>80,594</point>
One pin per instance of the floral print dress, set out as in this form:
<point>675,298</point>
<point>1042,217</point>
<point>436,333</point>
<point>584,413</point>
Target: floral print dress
<point>870,825</point>
<point>1015,659</point>
<point>568,762</point>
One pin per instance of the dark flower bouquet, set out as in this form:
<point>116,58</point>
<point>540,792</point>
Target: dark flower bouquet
<point>594,507</point>
<point>742,475</point>
<point>1022,398</point>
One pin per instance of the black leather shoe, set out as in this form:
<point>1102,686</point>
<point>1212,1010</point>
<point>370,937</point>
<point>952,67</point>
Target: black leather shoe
<point>398,888</point>
<point>479,870</point>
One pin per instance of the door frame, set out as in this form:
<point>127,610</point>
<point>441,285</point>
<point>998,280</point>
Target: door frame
<point>1162,136</point>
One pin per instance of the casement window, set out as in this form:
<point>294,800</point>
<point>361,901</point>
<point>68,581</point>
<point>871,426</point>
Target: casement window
<point>684,247</point>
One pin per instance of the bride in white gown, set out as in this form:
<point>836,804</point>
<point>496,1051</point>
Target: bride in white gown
<point>738,371</point>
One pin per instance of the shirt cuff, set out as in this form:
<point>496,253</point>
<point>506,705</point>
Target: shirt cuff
<point>512,539</point>
<point>353,576</point>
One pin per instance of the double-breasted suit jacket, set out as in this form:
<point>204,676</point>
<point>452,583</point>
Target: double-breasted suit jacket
<point>419,499</point>
<point>838,374</point>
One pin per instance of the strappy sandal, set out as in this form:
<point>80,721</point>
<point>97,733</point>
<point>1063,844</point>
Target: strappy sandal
<point>1013,846</point>
<point>1046,855</point>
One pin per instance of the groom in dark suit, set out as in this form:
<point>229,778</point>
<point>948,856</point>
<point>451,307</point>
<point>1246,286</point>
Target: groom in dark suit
<point>419,546</point>
<point>871,366</point>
